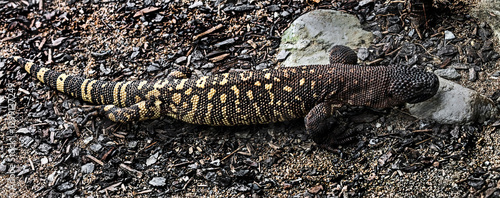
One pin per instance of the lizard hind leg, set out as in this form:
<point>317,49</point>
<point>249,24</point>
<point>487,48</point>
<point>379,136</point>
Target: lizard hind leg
<point>143,110</point>
<point>320,129</point>
<point>343,54</point>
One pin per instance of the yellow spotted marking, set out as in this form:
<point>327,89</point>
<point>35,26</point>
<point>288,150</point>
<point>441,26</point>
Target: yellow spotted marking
<point>303,108</point>
<point>311,71</point>
<point>141,84</point>
<point>298,98</point>
<point>287,88</point>
<point>223,98</point>
<point>236,91</point>
<point>237,102</point>
<point>173,108</point>
<point>257,83</point>
<point>160,84</point>
<point>115,91</point>
<point>27,67</point>
<point>153,93</point>
<point>250,94</point>
<point>200,83</point>
<point>285,73</point>
<point>137,99</point>
<point>276,79</point>
<point>190,115</point>
<point>302,81</point>
<point>185,105</point>
<point>157,109</point>
<point>181,84</point>
<point>267,76</point>
<point>211,93</point>
<point>224,80</point>
<point>112,117</point>
<point>41,73</point>
<point>245,78</point>
<point>278,103</point>
<point>88,96</point>
<point>313,83</point>
<point>285,104</point>
<point>188,91</point>
<point>224,116</point>
<point>268,86</point>
<point>123,93</point>
<point>108,107</point>
<point>210,106</point>
<point>271,95</point>
<point>176,98</point>
<point>277,114</point>
<point>142,110</point>
<point>60,82</point>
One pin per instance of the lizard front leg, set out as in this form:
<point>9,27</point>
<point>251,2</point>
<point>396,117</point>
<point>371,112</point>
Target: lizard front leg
<point>317,125</point>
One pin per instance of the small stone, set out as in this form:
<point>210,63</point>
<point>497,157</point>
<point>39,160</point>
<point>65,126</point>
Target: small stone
<point>96,147</point>
<point>273,8</point>
<point>65,186</point>
<point>363,53</point>
<point>26,141</point>
<point>472,74</point>
<point>448,35</point>
<point>88,168</point>
<point>180,59</point>
<point>132,144</point>
<point>158,181</point>
<point>152,159</point>
<point>44,160</point>
<point>196,4</point>
<point>448,73</point>
<point>396,28</point>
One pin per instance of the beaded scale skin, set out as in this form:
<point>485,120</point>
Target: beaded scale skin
<point>251,97</point>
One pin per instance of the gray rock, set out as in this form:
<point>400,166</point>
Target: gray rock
<point>152,159</point>
<point>88,168</point>
<point>448,35</point>
<point>309,38</point>
<point>448,73</point>
<point>454,104</point>
<point>158,181</point>
<point>363,53</point>
<point>483,10</point>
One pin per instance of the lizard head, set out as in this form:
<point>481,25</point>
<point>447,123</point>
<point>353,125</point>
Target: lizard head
<point>412,85</point>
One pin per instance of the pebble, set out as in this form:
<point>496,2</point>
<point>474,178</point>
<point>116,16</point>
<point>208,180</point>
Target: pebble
<point>158,181</point>
<point>88,168</point>
<point>363,53</point>
<point>448,73</point>
<point>448,35</point>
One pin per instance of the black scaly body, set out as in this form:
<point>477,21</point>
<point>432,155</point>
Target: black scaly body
<point>251,97</point>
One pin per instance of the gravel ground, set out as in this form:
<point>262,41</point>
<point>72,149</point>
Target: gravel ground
<point>394,154</point>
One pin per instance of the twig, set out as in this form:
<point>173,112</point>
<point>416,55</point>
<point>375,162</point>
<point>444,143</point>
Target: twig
<point>207,32</point>
<point>232,153</point>
<point>95,159</point>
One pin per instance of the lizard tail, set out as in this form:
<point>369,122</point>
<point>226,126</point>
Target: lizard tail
<point>94,91</point>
